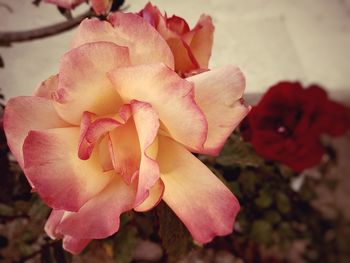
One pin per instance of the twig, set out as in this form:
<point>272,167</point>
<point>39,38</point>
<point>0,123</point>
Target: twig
<point>7,7</point>
<point>6,38</point>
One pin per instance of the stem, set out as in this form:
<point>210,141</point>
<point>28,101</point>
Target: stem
<point>6,38</point>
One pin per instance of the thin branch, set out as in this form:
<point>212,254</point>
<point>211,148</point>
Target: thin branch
<point>6,38</point>
<point>6,6</point>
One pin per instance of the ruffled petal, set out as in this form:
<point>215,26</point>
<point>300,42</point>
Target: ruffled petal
<point>219,95</point>
<point>47,87</point>
<point>202,202</point>
<point>52,164</point>
<point>171,96</point>
<point>184,58</point>
<point>125,29</point>
<point>200,40</point>
<point>74,245</point>
<point>83,84</point>
<point>125,151</point>
<point>52,222</point>
<point>23,114</point>
<point>99,218</point>
<point>105,153</point>
<point>153,199</point>
<point>147,125</point>
<point>101,6</point>
<point>91,132</point>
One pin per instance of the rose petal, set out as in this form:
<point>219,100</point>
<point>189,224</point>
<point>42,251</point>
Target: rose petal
<point>201,40</point>
<point>100,216</point>
<point>47,87</point>
<point>171,96</point>
<point>202,202</point>
<point>91,134</point>
<point>178,25</point>
<point>84,147</point>
<point>125,151</point>
<point>218,94</point>
<point>147,125</point>
<point>83,83</point>
<point>105,154</point>
<point>101,6</point>
<point>74,245</point>
<point>129,30</point>
<point>153,199</point>
<point>184,59</point>
<point>62,180</point>
<point>52,223</point>
<point>23,114</point>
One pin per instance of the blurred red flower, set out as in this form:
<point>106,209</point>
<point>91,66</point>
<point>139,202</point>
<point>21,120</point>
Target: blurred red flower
<point>287,124</point>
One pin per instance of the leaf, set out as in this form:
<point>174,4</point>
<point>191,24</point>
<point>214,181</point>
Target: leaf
<point>6,210</point>
<point>175,237</point>
<point>124,243</point>
<point>282,202</point>
<point>248,180</point>
<point>261,231</point>
<point>272,217</point>
<point>38,211</point>
<point>237,152</point>
<point>264,200</point>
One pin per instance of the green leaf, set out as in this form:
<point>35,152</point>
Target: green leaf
<point>6,210</point>
<point>175,237</point>
<point>282,202</point>
<point>261,231</point>
<point>272,217</point>
<point>237,152</point>
<point>264,200</point>
<point>124,243</point>
<point>38,211</point>
<point>248,180</point>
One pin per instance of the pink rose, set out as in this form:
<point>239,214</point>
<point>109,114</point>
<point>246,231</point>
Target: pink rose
<point>191,48</point>
<point>114,131</point>
<point>99,6</point>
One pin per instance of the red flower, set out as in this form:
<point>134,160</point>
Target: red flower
<point>287,123</point>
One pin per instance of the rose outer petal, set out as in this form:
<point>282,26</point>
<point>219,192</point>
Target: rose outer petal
<point>125,29</point>
<point>83,83</point>
<point>74,245</point>
<point>23,114</point>
<point>52,165</point>
<point>171,96</point>
<point>47,87</point>
<point>219,93</point>
<point>100,215</point>
<point>202,202</point>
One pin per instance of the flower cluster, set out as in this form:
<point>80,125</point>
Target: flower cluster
<point>287,124</point>
<point>114,131</point>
